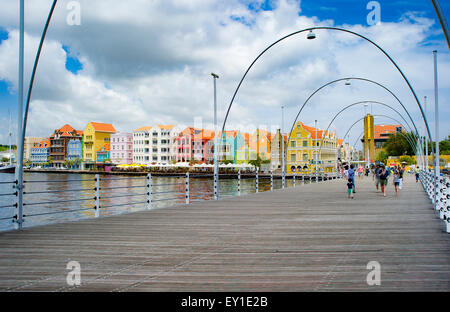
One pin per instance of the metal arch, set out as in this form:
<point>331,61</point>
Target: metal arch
<point>337,29</point>
<point>350,78</point>
<point>25,118</point>
<point>413,145</point>
<point>362,102</point>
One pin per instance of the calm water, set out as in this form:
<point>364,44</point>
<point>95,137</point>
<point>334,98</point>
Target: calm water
<point>44,208</point>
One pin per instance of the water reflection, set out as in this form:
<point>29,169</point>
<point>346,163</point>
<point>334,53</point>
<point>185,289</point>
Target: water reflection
<point>59,194</point>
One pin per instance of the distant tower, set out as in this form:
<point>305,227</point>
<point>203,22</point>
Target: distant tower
<point>369,136</point>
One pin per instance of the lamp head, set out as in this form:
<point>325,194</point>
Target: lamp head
<point>214,75</point>
<point>311,35</point>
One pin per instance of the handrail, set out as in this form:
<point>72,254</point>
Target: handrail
<point>53,212</point>
<point>57,202</point>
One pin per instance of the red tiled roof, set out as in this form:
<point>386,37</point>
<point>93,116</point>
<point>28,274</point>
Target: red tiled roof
<point>166,127</point>
<point>103,127</point>
<point>66,131</point>
<point>145,128</point>
<point>380,129</point>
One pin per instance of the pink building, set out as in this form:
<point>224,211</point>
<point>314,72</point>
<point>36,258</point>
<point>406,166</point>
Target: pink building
<point>122,148</point>
<point>185,144</point>
<point>204,146</point>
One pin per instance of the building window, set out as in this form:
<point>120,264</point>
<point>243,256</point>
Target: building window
<point>293,157</point>
<point>305,143</point>
<point>292,143</point>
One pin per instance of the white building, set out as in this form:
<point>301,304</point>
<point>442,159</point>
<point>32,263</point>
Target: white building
<point>155,144</point>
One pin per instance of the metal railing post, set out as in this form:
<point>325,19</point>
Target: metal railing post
<point>283,179</point>
<point>187,188</point>
<point>293,180</point>
<point>97,195</point>
<point>216,185</point>
<point>149,191</point>
<point>239,182</point>
<point>257,186</point>
<point>303,176</point>
<point>271,180</point>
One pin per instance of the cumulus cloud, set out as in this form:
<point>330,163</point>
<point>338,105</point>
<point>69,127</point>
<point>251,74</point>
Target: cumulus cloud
<point>149,62</point>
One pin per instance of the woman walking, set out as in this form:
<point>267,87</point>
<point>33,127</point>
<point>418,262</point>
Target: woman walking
<point>396,181</point>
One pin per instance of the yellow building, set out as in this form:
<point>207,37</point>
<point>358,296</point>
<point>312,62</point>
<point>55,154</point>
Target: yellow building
<point>95,136</point>
<point>308,144</point>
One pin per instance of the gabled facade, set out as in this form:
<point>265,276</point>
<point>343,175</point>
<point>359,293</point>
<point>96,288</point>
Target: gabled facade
<point>40,153</point>
<point>260,144</point>
<point>185,144</point>
<point>95,136</point>
<point>226,143</point>
<point>59,144</point>
<point>308,144</point>
<point>242,147</point>
<point>203,147</point>
<point>276,150</point>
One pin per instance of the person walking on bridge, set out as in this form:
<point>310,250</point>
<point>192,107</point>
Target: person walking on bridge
<point>351,176</point>
<point>417,173</point>
<point>384,174</point>
<point>396,180</point>
<point>360,171</point>
<point>376,176</point>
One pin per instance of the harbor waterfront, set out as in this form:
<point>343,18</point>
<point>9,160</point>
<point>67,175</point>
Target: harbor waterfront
<point>62,186</point>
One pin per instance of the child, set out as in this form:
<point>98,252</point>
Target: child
<point>396,181</point>
<point>350,188</point>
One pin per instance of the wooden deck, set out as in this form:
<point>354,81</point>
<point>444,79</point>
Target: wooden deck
<point>308,238</point>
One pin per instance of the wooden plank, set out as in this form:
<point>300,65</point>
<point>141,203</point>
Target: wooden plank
<point>308,238</point>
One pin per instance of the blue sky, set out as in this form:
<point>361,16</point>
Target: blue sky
<point>342,12</point>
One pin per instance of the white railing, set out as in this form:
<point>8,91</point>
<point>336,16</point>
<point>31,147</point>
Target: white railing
<point>438,190</point>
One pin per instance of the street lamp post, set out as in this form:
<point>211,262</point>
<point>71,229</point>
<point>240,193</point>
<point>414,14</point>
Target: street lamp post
<point>315,147</point>
<point>19,167</point>
<point>216,167</point>
<point>283,163</point>
<point>426,138</point>
<point>436,125</point>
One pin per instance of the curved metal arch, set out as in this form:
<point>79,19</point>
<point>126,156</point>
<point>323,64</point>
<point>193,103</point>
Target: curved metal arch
<point>350,78</point>
<point>25,118</point>
<point>413,145</point>
<point>363,102</point>
<point>337,29</point>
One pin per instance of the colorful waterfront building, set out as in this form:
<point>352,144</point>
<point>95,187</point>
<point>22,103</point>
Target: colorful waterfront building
<point>203,147</point>
<point>103,155</point>
<point>75,152</point>
<point>276,150</point>
<point>260,145</point>
<point>155,144</point>
<point>59,144</point>
<point>29,143</point>
<point>185,144</point>
<point>95,136</point>
<point>122,148</point>
<point>227,147</point>
<point>40,153</point>
<point>309,145</point>
<point>242,147</point>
